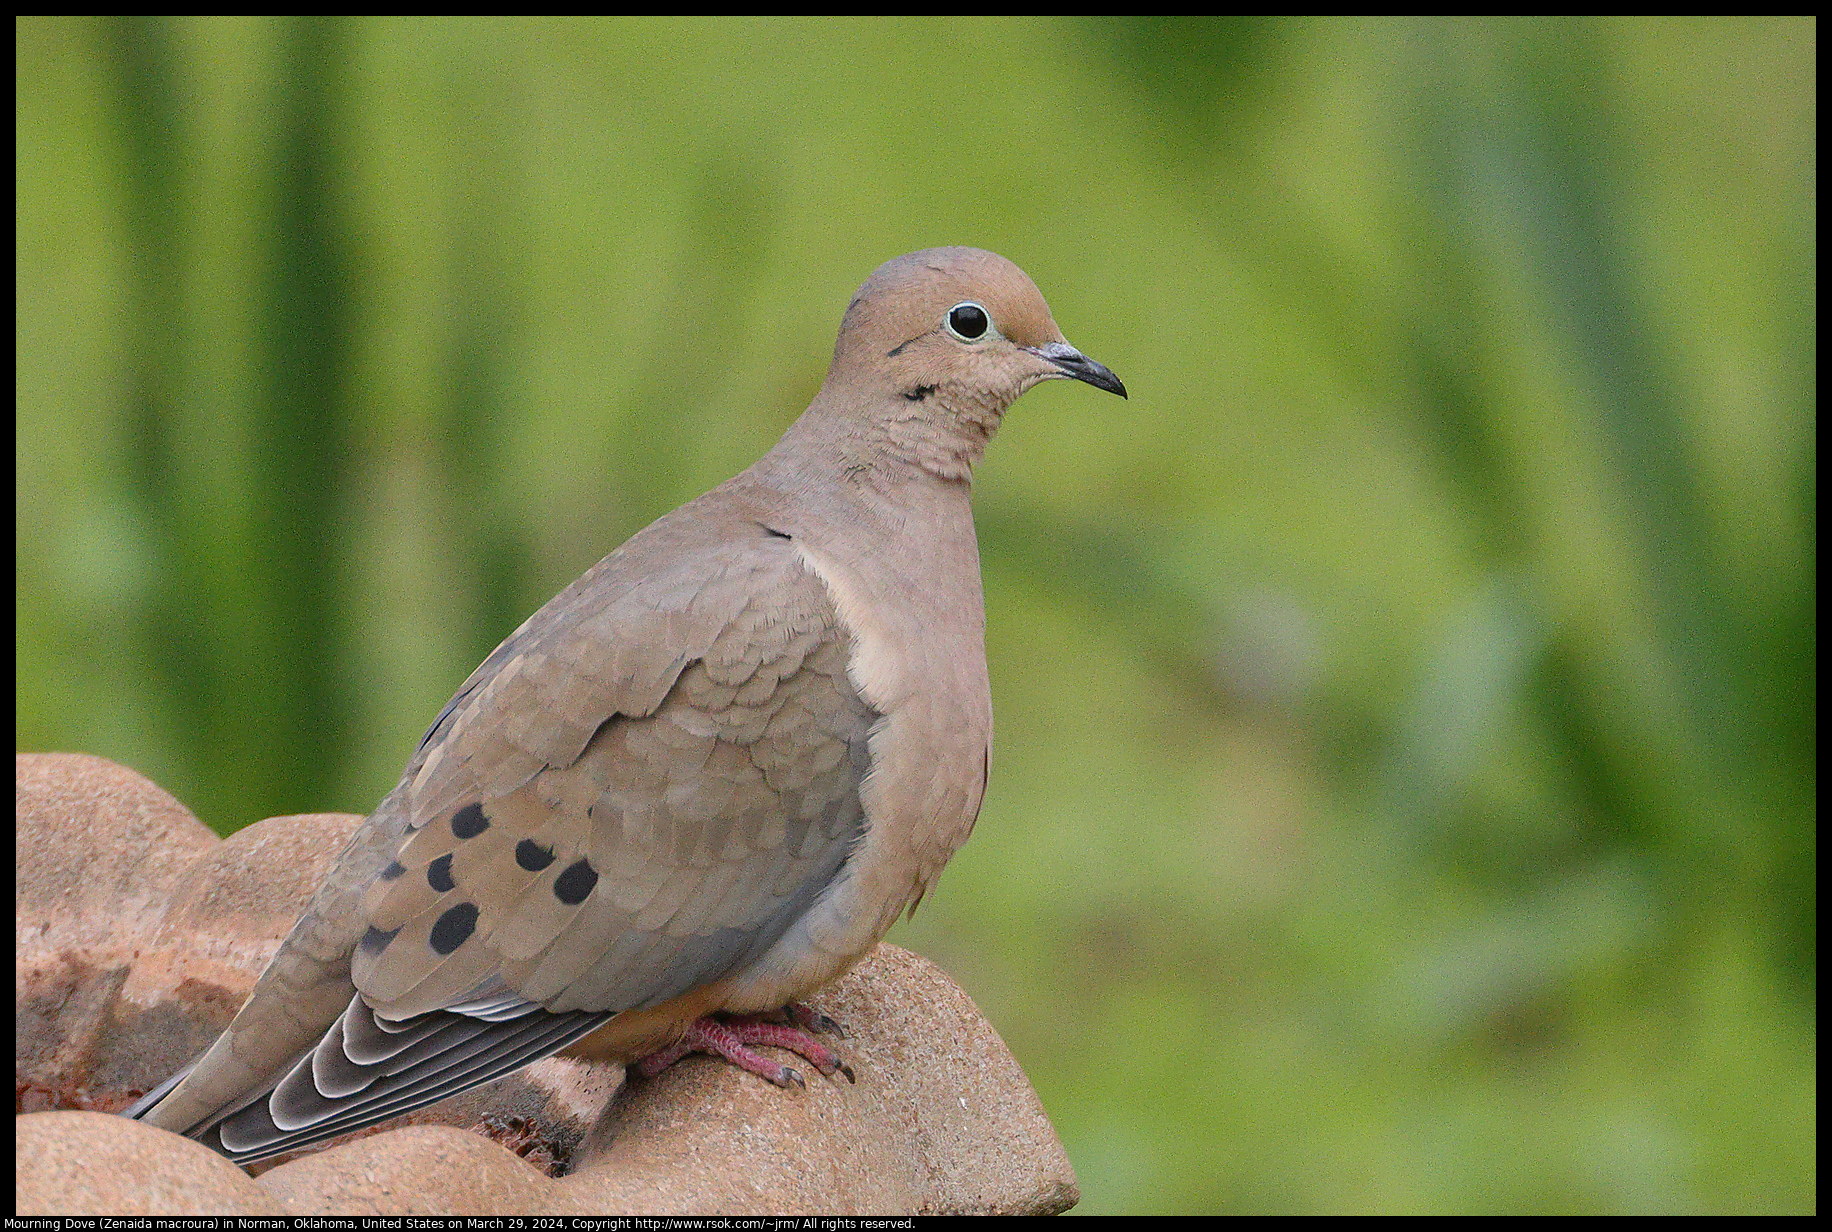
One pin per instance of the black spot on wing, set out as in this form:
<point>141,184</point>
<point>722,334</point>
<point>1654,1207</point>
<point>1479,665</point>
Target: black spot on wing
<point>439,874</point>
<point>453,929</point>
<point>572,885</point>
<point>469,821</point>
<point>375,940</point>
<point>532,856</point>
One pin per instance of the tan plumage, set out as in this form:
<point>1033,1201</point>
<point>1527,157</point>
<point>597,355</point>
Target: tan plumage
<point>706,777</point>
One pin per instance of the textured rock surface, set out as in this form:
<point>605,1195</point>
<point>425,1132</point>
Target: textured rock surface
<point>139,933</point>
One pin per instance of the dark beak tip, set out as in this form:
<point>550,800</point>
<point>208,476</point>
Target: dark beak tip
<point>1073,363</point>
<point>1101,377</point>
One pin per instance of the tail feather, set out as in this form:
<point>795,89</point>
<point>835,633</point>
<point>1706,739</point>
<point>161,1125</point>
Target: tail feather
<point>364,1070</point>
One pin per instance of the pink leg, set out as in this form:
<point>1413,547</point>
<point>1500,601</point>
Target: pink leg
<point>732,1039</point>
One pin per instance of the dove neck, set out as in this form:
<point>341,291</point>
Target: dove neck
<point>893,440</point>
<point>825,465</point>
<point>882,523</point>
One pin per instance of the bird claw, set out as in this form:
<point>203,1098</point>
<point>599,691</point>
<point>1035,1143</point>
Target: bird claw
<point>810,1019</point>
<point>732,1039</point>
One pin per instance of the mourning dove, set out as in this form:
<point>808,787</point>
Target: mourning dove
<point>704,779</point>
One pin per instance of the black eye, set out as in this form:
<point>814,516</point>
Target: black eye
<point>968,321</point>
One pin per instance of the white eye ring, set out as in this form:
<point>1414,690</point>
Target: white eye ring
<point>968,321</point>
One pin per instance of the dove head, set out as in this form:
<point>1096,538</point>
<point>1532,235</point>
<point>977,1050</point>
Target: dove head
<point>937,344</point>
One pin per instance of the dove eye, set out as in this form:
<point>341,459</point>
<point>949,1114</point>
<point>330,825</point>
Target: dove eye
<point>968,321</point>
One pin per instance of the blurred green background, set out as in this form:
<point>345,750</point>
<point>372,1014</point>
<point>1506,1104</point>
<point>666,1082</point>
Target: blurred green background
<point>1404,789</point>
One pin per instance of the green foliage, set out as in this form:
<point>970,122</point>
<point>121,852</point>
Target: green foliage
<point>1404,790</point>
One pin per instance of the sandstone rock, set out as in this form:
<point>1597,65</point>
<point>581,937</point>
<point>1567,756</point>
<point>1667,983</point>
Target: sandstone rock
<point>139,933</point>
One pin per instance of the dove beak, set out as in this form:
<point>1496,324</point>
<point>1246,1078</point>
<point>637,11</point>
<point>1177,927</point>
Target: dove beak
<point>1072,363</point>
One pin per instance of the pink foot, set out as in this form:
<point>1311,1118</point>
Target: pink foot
<point>731,1038</point>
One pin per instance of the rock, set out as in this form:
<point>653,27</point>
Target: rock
<point>140,933</point>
